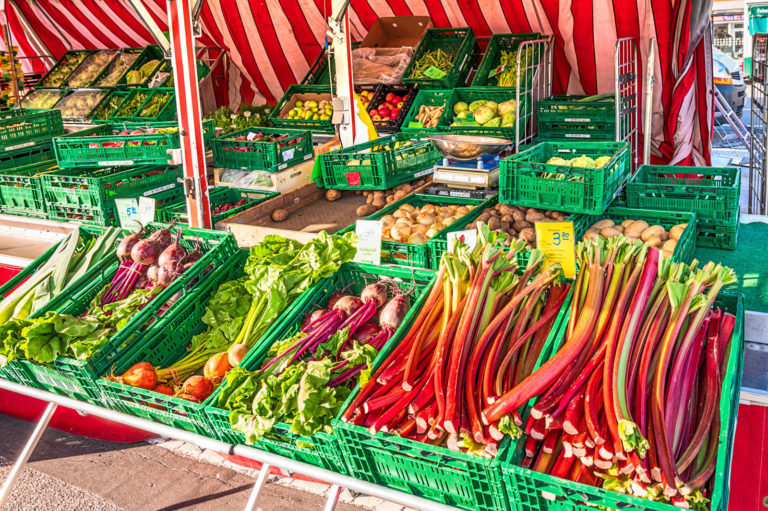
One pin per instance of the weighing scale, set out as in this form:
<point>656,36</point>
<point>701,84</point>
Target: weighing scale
<point>470,165</point>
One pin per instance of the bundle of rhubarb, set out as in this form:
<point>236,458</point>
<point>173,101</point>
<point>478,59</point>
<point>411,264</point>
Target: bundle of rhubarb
<point>305,378</point>
<point>147,266</point>
<point>630,400</point>
<point>240,312</point>
<point>480,332</point>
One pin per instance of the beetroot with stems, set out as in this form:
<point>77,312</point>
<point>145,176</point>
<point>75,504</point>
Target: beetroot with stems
<point>168,272</point>
<point>173,252</point>
<point>312,317</point>
<point>126,244</point>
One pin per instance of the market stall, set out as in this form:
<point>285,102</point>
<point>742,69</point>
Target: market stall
<point>436,270</point>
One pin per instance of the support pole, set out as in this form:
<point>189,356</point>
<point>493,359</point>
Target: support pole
<point>41,426</point>
<point>333,498</point>
<point>649,81</point>
<point>190,115</point>
<point>263,475</point>
<point>344,102</point>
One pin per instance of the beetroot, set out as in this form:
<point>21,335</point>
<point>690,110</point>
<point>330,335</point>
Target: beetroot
<point>127,243</point>
<point>173,252</point>
<point>311,318</point>
<point>394,312</point>
<point>366,332</point>
<point>348,304</point>
<point>333,299</point>
<point>376,291</point>
<point>168,272</point>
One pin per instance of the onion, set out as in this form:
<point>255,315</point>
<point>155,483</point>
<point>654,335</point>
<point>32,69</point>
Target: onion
<point>417,239</point>
<point>127,243</point>
<point>162,388</point>
<point>314,316</point>
<point>400,232</point>
<point>366,332</point>
<point>408,207</point>
<point>445,211</point>
<point>448,220</point>
<point>402,213</point>
<point>419,229</point>
<point>198,387</point>
<point>431,232</point>
<point>461,211</point>
<point>168,272</point>
<point>152,272</point>
<point>425,219</point>
<point>376,291</point>
<point>141,375</point>
<point>348,304</point>
<point>173,252</point>
<point>236,354</point>
<point>387,219</point>
<point>216,367</point>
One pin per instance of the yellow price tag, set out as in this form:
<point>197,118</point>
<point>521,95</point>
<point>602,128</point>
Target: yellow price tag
<point>555,239</point>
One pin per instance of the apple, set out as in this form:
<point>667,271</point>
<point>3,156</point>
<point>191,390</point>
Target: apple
<point>394,113</point>
<point>373,112</point>
<point>400,105</point>
<point>389,97</point>
<point>383,111</point>
<point>395,100</point>
<point>376,117</point>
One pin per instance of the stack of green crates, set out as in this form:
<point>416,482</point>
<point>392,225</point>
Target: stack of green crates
<point>218,196</point>
<point>491,65</point>
<point>26,135</point>
<point>260,149</point>
<point>428,98</point>
<point>711,192</point>
<point>457,44</point>
<point>21,189</point>
<point>563,117</point>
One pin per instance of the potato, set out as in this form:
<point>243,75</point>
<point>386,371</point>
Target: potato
<point>496,213</point>
<point>654,242</point>
<point>390,199</point>
<point>367,192</point>
<point>528,234</point>
<point>635,229</point>
<point>358,192</point>
<point>399,195</point>
<point>507,218</point>
<point>606,222</point>
<point>677,231</point>
<point>332,195</point>
<point>505,226</point>
<point>521,224</point>
<point>664,236</point>
<point>505,209</point>
<point>668,248</point>
<point>406,188</point>
<point>609,232</point>
<point>534,216</point>
<point>590,235</point>
<point>369,199</point>
<point>627,222</point>
<point>494,223</point>
<point>652,232</point>
<point>365,210</point>
<point>484,216</point>
<point>279,215</point>
<point>378,203</point>
<point>518,215</point>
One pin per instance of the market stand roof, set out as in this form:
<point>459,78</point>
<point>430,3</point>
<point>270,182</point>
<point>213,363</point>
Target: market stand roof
<point>272,43</point>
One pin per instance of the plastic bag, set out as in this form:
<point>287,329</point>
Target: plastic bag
<point>231,176</point>
<point>256,179</point>
<point>380,65</point>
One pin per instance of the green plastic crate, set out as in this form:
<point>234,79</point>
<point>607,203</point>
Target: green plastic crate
<point>152,52</point>
<point>521,181</point>
<point>285,104</point>
<point>165,344</point>
<point>28,156</point>
<point>406,254</point>
<point>321,449</point>
<point>717,234</point>
<point>564,117</point>
<point>109,105</point>
<point>80,77</point>
<point>459,43</point>
<point>79,378</point>
<point>21,192</point>
<point>92,193</point>
<point>112,74</point>
<point>380,96</point>
<point>42,99</point>
<point>527,489</point>
<point>426,98</point>
<point>66,65</point>
<point>318,74</point>
<point>255,154</point>
<point>468,95</point>
<point>217,196</point>
<point>81,104</point>
<point>492,57</point>
<point>431,471</point>
<point>107,148</point>
<point>711,192</point>
<point>686,245</point>
<point>370,166</point>
<point>25,129</point>
<point>127,111</point>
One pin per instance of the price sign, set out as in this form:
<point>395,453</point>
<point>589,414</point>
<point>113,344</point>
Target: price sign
<point>369,241</point>
<point>434,73</point>
<point>556,240</point>
<point>128,213</point>
<point>497,71</point>
<point>468,237</point>
<point>147,210</point>
<point>413,124</point>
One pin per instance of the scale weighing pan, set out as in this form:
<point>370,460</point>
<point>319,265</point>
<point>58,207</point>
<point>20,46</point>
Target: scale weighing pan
<point>469,147</point>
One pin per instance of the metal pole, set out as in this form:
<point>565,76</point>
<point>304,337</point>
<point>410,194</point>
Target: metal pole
<point>649,82</point>
<point>287,464</point>
<point>263,475</point>
<point>42,424</point>
<point>333,498</point>
<point>190,114</point>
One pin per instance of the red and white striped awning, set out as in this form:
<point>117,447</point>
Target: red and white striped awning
<point>272,44</point>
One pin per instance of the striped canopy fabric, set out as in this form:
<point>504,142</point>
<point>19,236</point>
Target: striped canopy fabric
<point>272,44</point>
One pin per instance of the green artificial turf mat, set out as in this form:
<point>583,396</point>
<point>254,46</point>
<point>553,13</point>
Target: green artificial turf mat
<point>749,261</point>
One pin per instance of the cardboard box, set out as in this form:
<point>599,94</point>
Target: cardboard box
<point>282,182</point>
<point>396,32</point>
<point>304,96</point>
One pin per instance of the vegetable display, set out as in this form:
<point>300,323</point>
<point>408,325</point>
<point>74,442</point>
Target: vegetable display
<point>376,200</point>
<point>142,74</point>
<point>155,104</point>
<point>147,266</point>
<point>429,115</point>
<point>629,400</point>
<point>516,221</point>
<point>63,70</point>
<point>109,106</point>
<point>507,76</point>
<point>479,333</point>
<point>306,378</point>
<point>80,103</point>
<point>277,271</point>
<point>433,60</point>
<point>583,162</point>
<point>250,116</point>
<point>652,235</point>
<point>42,98</point>
<point>414,225</point>
<point>489,114</point>
<point>131,104</point>
<point>75,255</point>
<point>117,68</point>
<point>91,67</point>
<point>311,110</point>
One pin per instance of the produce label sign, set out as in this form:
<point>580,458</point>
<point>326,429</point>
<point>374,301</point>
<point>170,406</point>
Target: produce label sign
<point>468,237</point>
<point>556,240</point>
<point>353,178</point>
<point>147,210</point>
<point>128,213</point>
<point>369,241</point>
<point>413,124</point>
<point>497,71</point>
<point>434,73</point>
